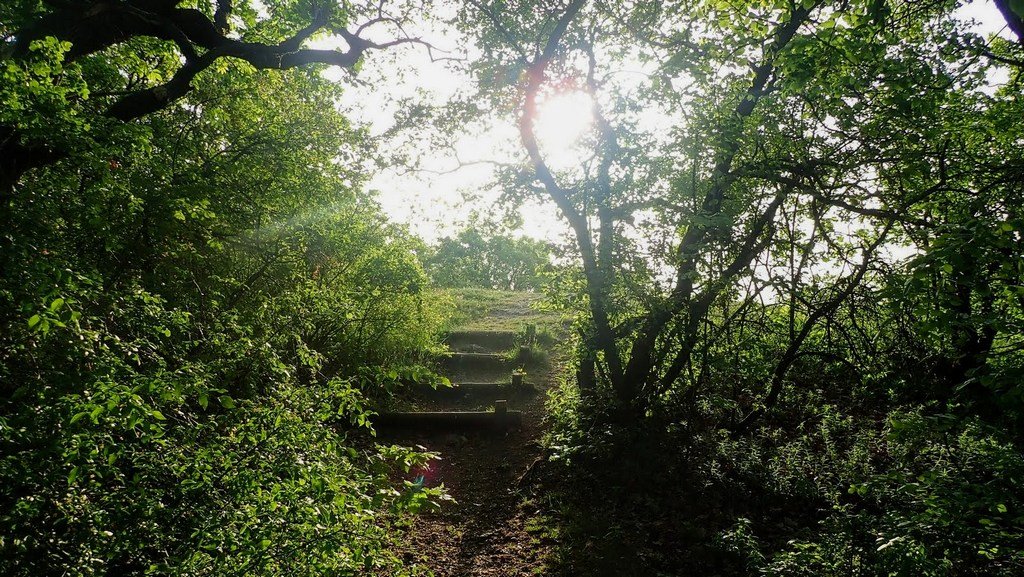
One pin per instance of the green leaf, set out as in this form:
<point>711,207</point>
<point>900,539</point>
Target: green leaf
<point>56,304</point>
<point>226,402</point>
<point>1018,7</point>
<point>33,321</point>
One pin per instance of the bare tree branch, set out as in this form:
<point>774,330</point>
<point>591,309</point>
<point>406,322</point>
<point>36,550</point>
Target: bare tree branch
<point>1014,20</point>
<point>221,18</point>
<point>94,26</point>
<point>792,353</point>
<point>640,362</point>
<point>604,333</point>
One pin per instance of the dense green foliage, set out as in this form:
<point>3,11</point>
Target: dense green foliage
<point>800,325</point>
<point>797,292</point>
<point>196,309</point>
<point>473,259</point>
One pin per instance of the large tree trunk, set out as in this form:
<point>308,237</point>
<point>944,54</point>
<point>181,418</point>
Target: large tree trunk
<point>16,159</point>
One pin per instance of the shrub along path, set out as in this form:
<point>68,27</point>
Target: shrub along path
<point>492,528</point>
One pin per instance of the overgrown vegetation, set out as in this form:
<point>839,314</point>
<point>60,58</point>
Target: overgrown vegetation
<point>796,284</point>
<point>799,317</point>
<point>196,307</point>
<point>473,259</point>
<point>494,310</point>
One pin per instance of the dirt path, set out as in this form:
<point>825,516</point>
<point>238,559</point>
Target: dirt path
<point>492,528</point>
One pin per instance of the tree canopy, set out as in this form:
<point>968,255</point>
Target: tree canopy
<point>475,258</point>
<point>199,302</point>
<point>796,283</point>
<point>798,208</point>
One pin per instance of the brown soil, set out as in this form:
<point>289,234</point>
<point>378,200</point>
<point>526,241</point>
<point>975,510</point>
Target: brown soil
<point>492,527</point>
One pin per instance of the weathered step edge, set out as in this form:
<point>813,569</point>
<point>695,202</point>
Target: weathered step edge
<point>449,420</point>
<point>463,357</point>
<point>456,362</point>
<point>466,389</point>
<point>458,341</point>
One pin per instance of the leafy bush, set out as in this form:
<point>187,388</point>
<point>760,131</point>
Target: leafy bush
<point>488,260</point>
<point>194,324</point>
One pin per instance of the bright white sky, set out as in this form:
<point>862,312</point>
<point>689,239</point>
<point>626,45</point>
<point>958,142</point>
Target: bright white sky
<point>433,201</point>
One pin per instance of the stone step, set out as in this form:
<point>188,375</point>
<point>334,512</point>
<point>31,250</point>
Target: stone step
<point>477,367</point>
<point>475,390</point>
<point>481,341</point>
<point>475,358</point>
<point>499,418</point>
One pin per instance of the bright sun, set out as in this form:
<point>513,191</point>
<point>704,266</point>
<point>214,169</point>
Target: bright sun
<point>563,118</point>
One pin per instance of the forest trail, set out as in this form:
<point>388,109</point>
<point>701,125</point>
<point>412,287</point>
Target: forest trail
<point>492,528</point>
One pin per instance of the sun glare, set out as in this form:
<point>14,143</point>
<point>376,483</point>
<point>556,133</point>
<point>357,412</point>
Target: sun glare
<point>562,120</point>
